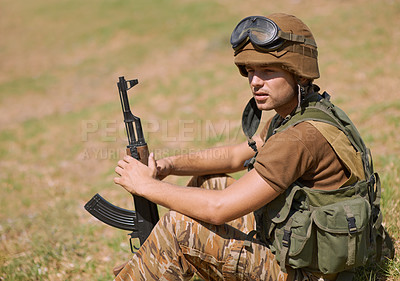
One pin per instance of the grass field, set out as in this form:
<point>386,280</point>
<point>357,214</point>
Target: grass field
<point>61,130</point>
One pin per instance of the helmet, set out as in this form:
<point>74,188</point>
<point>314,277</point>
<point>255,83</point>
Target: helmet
<point>280,39</point>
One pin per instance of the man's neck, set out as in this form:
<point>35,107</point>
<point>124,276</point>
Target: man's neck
<point>283,112</point>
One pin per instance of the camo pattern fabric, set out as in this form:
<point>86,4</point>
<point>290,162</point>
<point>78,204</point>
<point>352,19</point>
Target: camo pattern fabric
<point>180,246</point>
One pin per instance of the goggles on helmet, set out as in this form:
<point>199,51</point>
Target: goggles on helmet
<point>264,33</point>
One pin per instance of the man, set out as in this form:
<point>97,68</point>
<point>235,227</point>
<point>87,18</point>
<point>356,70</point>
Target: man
<point>211,230</point>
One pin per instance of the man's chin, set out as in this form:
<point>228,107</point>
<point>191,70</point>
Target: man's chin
<point>263,106</point>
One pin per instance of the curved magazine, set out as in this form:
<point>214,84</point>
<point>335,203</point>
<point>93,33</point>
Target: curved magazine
<point>111,214</point>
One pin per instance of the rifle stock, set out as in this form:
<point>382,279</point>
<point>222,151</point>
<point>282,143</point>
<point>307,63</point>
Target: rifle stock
<point>145,217</point>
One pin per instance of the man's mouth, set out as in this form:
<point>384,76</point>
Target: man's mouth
<point>260,97</point>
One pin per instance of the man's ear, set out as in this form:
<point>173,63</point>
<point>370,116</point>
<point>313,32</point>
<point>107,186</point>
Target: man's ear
<point>304,81</point>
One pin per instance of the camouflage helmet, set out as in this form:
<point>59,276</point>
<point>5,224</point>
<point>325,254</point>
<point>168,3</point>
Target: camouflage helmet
<point>300,58</point>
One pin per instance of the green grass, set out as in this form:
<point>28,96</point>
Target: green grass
<point>23,85</point>
<point>61,130</point>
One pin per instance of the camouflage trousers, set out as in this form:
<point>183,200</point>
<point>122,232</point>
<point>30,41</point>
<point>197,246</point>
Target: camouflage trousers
<point>180,246</point>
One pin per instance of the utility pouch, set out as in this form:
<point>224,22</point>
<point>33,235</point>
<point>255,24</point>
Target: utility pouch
<point>342,231</point>
<point>328,239</point>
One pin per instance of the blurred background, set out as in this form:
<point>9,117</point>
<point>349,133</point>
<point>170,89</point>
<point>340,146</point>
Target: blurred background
<point>61,126</point>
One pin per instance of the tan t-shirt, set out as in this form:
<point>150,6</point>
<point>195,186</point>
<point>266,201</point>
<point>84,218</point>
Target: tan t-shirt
<point>300,153</point>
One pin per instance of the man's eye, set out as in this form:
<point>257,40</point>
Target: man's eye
<point>268,70</point>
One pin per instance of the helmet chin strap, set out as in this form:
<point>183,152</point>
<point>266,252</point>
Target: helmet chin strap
<point>301,93</point>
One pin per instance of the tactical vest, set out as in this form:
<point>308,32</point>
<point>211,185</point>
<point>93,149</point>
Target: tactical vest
<point>319,230</point>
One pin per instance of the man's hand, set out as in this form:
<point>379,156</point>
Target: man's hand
<point>164,168</point>
<point>134,175</point>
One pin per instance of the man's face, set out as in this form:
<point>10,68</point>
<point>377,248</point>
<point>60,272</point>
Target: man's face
<point>273,88</point>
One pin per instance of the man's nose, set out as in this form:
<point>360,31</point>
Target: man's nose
<point>256,81</point>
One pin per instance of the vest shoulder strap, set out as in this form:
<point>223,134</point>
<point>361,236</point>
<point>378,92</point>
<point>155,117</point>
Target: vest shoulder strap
<point>351,158</point>
<point>318,108</point>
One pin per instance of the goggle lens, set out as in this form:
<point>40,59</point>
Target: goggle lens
<point>260,30</point>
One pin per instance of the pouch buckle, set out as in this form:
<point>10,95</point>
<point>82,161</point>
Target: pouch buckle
<point>351,221</point>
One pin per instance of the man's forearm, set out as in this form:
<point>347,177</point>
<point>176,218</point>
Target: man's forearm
<point>212,206</point>
<point>224,159</point>
<point>195,202</point>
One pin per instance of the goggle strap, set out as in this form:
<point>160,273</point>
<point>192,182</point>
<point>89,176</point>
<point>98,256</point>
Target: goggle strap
<point>296,38</point>
<point>303,50</point>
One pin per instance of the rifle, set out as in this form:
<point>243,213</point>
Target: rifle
<point>144,218</point>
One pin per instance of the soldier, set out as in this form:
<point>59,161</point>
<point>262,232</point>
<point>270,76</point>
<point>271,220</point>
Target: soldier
<point>249,229</point>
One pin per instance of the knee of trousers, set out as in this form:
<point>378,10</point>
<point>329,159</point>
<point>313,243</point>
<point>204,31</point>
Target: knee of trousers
<point>212,181</point>
<point>172,222</point>
<point>180,227</point>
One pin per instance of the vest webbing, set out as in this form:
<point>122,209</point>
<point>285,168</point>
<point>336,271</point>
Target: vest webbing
<point>318,108</point>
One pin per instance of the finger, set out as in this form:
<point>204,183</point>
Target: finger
<point>117,180</point>
<point>122,163</point>
<point>128,158</point>
<point>119,170</point>
<point>152,162</point>
<point>152,165</point>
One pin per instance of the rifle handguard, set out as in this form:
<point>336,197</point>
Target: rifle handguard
<point>141,151</point>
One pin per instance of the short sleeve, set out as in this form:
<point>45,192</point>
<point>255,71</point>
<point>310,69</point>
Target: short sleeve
<point>283,159</point>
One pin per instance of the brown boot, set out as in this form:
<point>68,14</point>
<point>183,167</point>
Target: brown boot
<point>117,269</point>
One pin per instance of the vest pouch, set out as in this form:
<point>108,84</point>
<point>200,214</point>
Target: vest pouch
<point>327,239</point>
<point>278,210</point>
<point>302,244</point>
<point>289,222</point>
<point>342,231</point>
